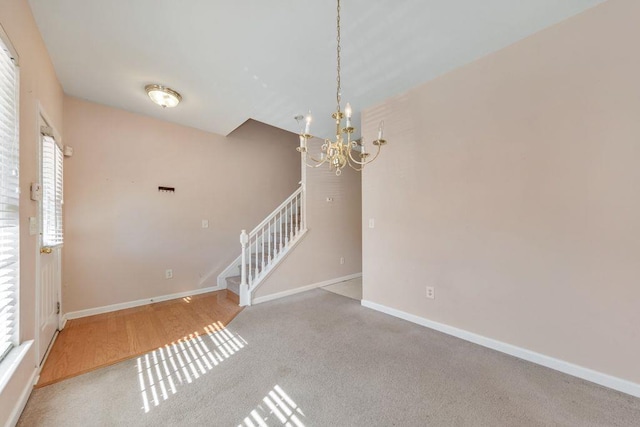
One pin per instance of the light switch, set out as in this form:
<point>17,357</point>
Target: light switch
<point>205,223</point>
<point>33,226</point>
<point>372,223</point>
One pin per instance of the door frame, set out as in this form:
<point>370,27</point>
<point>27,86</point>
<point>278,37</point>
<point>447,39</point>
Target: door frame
<point>43,119</point>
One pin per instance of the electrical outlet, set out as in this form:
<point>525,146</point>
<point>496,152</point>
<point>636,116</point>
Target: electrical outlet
<point>341,260</point>
<point>431,292</point>
<point>205,223</point>
<point>168,274</point>
<point>372,223</point>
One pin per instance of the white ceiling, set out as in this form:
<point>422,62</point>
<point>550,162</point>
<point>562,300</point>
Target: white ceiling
<point>271,60</point>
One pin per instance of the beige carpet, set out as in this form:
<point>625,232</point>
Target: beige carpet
<point>318,359</point>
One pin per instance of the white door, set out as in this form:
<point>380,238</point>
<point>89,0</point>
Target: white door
<point>49,263</point>
<point>48,310</point>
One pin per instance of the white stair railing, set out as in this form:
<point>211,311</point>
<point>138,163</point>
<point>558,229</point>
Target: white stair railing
<point>266,244</point>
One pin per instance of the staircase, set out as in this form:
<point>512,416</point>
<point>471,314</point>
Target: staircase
<point>264,248</point>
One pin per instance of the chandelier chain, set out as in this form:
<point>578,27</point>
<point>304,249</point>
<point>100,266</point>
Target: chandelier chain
<point>339,88</point>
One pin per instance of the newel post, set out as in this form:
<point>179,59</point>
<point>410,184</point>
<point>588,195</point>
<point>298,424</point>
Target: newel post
<point>244,286</point>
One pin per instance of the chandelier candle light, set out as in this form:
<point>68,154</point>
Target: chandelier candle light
<point>343,151</point>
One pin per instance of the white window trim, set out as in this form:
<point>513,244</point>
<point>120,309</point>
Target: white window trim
<point>12,359</point>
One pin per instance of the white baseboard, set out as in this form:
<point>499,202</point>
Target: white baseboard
<point>600,378</point>
<point>137,303</point>
<point>304,288</point>
<point>46,355</point>
<point>276,261</point>
<point>26,392</point>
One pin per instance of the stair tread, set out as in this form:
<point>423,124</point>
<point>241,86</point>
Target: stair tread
<point>233,284</point>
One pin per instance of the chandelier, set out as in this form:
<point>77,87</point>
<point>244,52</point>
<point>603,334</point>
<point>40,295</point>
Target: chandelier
<point>343,151</point>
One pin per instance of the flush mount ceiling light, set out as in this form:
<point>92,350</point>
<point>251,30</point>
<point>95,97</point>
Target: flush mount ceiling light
<point>343,151</point>
<point>163,96</point>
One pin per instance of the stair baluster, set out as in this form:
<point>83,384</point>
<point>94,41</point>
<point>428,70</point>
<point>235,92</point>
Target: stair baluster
<point>292,226</point>
<point>269,245</point>
<point>264,247</point>
<point>280,226</point>
<point>244,238</point>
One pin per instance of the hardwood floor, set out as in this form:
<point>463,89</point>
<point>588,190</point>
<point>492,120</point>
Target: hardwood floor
<point>93,342</point>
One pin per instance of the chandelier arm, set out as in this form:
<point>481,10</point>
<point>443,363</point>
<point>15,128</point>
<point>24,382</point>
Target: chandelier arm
<point>352,161</point>
<point>360,169</point>
<point>317,165</point>
<point>366,162</point>
<point>376,156</point>
<point>308,155</point>
<point>317,162</point>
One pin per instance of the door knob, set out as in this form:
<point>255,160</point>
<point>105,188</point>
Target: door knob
<point>45,250</point>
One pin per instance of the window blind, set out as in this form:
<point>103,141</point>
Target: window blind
<point>51,192</point>
<point>9,197</point>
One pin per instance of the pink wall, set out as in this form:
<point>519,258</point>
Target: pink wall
<point>122,234</point>
<point>39,91</point>
<point>334,232</point>
<point>511,186</point>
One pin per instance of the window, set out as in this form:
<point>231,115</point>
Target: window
<point>51,191</point>
<point>9,197</point>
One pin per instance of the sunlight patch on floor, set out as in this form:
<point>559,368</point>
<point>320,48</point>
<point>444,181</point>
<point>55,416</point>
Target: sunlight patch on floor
<point>162,371</point>
<point>276,406</point>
